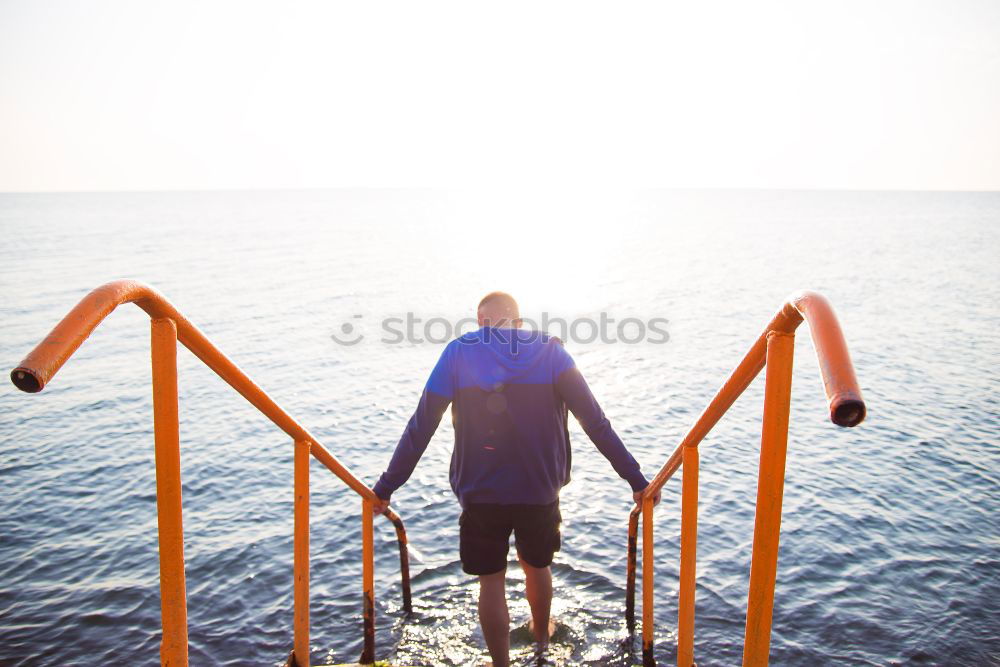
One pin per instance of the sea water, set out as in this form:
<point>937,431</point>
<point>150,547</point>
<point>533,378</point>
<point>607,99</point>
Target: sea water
<point>890,542</point>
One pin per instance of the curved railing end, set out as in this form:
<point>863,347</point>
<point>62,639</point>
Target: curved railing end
<point>847,406</point>
<point>42,363</point>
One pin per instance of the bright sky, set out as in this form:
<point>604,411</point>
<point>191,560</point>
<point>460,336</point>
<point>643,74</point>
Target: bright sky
<point>125,95</point>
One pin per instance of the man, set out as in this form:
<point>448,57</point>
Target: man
<point>509,390</point>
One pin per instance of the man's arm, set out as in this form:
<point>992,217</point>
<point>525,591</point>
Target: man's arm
<point>578,398</point>
<point>411,446</point>
<point>433,402</point>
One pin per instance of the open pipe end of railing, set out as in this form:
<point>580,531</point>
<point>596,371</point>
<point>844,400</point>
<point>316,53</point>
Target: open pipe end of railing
<point>27,380</point>
<point>848,411</point>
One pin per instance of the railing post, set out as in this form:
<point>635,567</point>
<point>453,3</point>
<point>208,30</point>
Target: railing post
<point>633,547</point>
<point>300,645</point>
<point>368,581</point>
<point>689,548</point>
<point>647,583</point>
<point>173,596</point>
<point>770,486</point>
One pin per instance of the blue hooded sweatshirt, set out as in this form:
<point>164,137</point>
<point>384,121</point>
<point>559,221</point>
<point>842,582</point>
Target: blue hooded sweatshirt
<point>509,390</point>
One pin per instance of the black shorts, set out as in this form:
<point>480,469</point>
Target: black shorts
<point>484,535</point>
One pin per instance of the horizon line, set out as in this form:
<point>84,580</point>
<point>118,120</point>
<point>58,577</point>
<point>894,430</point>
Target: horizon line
<point>399,188</point>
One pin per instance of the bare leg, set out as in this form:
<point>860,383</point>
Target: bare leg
<point>493,617</point>
<point>538,590</point>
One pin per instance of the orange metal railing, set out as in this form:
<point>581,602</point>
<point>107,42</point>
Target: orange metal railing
<point>774,348</point>
<point>168,327</point>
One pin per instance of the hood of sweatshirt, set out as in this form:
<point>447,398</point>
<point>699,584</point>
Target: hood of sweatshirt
<point>508,355</point>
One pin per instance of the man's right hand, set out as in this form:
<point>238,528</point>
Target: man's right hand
<point>637,496</point>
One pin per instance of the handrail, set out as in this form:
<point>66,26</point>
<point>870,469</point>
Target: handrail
<point>847,409</point>
<point>42,363</point>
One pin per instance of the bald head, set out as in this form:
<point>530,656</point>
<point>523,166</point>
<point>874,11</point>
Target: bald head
<point>498,309</point>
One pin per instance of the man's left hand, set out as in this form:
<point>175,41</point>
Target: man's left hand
<point>379,506</point>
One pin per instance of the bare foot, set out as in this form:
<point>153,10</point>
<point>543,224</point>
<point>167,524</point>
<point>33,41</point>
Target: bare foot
<point>552,631</point>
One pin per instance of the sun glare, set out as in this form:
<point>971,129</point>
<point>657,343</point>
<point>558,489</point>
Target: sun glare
<point>551,250</point>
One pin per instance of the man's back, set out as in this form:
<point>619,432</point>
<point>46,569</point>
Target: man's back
<point>511,442</point>
<point>509,390</point>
